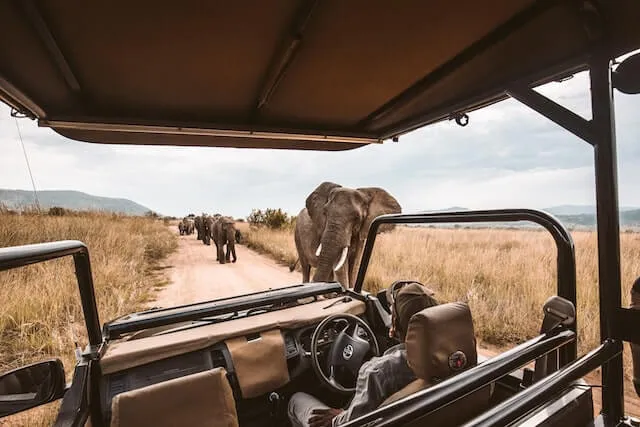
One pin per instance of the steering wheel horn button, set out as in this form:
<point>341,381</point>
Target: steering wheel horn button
<point>347,352</point>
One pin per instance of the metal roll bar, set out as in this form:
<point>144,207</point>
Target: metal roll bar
<point>566,260</point>
<point>20,256</point>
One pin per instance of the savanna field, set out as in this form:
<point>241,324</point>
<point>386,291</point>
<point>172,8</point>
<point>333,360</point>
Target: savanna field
<point>41,315</point>
<point>505,275</point>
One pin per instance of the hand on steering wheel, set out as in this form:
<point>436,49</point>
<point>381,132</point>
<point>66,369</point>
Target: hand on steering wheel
<point>348,349</point>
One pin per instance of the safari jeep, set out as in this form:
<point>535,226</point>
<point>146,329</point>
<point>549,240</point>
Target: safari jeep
<point>319,75</point>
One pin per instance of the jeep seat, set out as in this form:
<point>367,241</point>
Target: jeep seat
<point>202,399</point>
<point>441,343</point>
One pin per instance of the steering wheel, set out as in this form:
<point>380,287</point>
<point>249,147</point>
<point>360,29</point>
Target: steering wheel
<point>347,351</point>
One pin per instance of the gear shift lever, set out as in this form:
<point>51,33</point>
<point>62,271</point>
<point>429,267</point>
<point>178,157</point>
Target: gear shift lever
<point>275,401</point>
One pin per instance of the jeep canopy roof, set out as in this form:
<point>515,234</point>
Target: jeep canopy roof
<point>329,75</point>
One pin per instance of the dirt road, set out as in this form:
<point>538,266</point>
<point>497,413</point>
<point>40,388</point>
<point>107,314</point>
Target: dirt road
<point>195,275</point>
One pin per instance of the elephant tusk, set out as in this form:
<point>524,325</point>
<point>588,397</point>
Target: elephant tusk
<point>319,249</point>
<point>343,258</point>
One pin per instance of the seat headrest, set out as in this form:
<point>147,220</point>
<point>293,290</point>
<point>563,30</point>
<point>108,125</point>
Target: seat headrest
<point>441,341</point>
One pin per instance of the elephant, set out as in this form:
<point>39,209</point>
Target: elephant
<point>198,226</point>
<point>186,226</point>
<point>331,230</point>
<point>191,226</point>
<point>224,233</point>
<point>208,223</point>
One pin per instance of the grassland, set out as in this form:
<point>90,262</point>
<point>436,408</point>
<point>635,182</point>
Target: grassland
<point>40,314</point>
<point>505,275</point>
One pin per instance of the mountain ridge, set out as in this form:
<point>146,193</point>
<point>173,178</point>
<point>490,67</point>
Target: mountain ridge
<point>70,199</point>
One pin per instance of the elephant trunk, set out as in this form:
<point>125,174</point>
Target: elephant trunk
<point>332,252</point>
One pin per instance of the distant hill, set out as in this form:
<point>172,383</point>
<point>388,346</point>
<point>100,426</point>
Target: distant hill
<point>76,200</point>
<point>572,216</point>
<point>581,209</point>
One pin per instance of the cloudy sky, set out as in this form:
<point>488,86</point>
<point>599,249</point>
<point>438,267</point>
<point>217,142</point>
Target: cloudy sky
<point>508,156</point>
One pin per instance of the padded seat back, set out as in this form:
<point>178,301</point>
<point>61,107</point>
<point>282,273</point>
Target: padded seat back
<point>441,343</point>
<point>202,399</point>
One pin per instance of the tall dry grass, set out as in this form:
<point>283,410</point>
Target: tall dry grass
<point>505,275</point>
<point>41,315</point>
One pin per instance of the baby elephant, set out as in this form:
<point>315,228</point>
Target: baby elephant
<point>224,233</point>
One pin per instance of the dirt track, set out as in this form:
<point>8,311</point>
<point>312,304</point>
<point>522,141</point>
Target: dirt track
<point>195,275</point>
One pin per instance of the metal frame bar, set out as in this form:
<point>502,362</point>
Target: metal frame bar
<point>566,259</point>
<point>43,31</point>
<point>201,131</point>
<point>557,113</point>
<point>522,403</point>
<point>600,133</point>
<point>609,279</point>
<point>454,388</point>
<point>286,54</point>
<point>501,32</point>
<point>18,100</point>
<point>20,256</point>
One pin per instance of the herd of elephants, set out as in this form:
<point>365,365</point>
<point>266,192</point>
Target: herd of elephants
<point>330,230</point>
<point>220,228</point>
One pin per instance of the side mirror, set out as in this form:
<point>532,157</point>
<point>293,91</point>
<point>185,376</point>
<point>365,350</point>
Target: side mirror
<point>31,386</point>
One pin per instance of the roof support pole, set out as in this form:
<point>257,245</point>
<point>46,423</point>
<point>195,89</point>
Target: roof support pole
<point>600,133</point>
<point>554,112</point>
<point>609,280</point>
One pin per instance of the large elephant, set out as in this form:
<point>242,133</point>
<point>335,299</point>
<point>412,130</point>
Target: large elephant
<point>198,226</point>
<point>224,233</point>
<point>331,230</point>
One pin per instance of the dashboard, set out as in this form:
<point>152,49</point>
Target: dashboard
<point>297,345</point>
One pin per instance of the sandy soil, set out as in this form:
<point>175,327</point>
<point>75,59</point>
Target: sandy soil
<point>195,275</point>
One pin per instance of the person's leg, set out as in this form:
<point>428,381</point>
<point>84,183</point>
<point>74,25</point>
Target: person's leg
<point>300,407</point>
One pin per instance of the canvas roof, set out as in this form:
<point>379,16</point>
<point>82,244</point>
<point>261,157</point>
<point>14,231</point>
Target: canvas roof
<point>298,74</point>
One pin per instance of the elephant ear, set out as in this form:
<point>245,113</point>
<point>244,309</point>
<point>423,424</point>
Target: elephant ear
<point>317,199</point>
<point>380,203</point>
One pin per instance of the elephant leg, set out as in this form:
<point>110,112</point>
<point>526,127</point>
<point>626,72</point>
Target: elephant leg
<point>227,255</point>
<point>306,270</point>
<point>233,250</point>
<point>221,256</point>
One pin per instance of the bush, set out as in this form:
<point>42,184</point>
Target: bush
<point>270,218</point>
<point>57,211</point>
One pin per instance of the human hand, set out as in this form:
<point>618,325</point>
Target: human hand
<point>323,417</point>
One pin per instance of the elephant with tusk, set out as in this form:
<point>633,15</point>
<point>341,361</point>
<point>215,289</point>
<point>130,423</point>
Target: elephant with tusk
<point>331,230</point>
